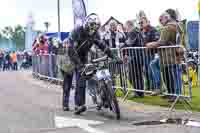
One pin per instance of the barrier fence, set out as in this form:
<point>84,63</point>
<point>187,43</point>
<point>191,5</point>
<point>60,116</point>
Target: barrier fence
<point>163,70</point>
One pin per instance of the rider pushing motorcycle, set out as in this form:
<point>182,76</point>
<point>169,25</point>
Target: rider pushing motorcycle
<point>80,41</point>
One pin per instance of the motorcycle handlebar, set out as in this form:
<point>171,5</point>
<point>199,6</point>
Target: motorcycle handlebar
<point>104,58</point>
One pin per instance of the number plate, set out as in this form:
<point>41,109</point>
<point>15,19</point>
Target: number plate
<point>102,74</point>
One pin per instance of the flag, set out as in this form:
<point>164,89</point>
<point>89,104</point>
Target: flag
<point>199,7</point>
<point>79,12</point>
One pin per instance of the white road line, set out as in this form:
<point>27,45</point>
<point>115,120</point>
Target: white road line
<point>62,122</point>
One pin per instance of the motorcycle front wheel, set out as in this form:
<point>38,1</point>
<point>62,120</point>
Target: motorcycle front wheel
<point>112,100</point>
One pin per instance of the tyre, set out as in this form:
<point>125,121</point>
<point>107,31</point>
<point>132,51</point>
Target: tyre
<point>110,94</point>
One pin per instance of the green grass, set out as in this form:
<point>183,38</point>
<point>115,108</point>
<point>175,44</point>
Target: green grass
<point>158,101</point>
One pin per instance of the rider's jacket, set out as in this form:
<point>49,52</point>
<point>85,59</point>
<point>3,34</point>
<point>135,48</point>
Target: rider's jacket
<point>80,43</point>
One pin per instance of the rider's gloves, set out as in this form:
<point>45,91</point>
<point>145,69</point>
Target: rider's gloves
<point>117,60</point>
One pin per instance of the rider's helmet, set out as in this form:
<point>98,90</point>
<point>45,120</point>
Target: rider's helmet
<point>92,23</point>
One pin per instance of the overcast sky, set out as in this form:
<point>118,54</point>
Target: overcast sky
<point>14,12</point>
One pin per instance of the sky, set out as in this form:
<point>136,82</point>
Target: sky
<point>13,12</point>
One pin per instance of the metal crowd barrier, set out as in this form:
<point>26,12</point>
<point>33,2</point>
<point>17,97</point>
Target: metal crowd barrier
<point>46,67</point>
<point>162,71</point>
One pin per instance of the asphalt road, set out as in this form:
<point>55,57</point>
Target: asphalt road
<point>29,105</point>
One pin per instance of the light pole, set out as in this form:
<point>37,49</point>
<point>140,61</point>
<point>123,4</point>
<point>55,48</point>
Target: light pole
<point>58,8</point>
<point>46,24</point>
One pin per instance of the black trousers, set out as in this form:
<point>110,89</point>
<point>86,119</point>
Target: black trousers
<point>168,76</point>
<point>6,66</point>
<point>67,84</point>
<point>135,69</point>
<point>80,92</point>
<point>15,67</point>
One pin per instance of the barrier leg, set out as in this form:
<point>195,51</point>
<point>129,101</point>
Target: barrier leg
<point>173,105</point>
<point>126,95</point>
<point>185,102</point>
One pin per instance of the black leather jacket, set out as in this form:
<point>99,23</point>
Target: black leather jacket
<point>80,44</point>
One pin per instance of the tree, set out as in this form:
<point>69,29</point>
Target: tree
<point>1,36</point>
<point>19,36</point>
<point>7,32</point>
<point>16,34</point>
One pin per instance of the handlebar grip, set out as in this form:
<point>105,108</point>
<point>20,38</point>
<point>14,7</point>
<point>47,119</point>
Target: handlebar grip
<point>99,59</point>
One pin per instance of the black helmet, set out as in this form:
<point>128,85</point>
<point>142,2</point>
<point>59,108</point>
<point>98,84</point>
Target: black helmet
<point>92,23</point>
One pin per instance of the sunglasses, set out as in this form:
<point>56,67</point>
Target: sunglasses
<point>141,23</point>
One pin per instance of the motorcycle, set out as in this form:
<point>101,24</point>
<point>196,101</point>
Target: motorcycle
<point>103,94</point>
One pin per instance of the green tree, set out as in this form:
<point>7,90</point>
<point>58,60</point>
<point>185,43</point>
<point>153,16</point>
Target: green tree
<point>1,36</point>
<point>19,36</point>
<point>16,34</point>
<point>7,32</point>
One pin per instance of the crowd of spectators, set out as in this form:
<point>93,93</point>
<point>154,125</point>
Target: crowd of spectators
<point>12,60</point>
<point>44,45</point>
<point>142,35</point>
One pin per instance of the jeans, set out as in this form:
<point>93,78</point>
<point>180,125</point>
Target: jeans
<point>15,66</point>
<point>155,72</point>
<point>148,73</point>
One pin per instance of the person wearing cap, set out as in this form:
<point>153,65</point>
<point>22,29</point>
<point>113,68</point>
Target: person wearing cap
<point>169,60</point>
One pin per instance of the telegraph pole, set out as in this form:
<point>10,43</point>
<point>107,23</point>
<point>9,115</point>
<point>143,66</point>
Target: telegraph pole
<point>58,8</point>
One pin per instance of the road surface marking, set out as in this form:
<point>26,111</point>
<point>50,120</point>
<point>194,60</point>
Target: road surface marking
<point>62,122</point>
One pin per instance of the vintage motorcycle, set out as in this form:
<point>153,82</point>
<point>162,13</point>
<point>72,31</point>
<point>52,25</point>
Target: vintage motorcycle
<point>102,92</point>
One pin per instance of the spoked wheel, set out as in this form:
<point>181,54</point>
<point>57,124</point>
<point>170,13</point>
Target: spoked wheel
<point>114,106</point>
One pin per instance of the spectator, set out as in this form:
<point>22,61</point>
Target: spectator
<point>7,62</point>
<point>135,65</point>
<point>14,60</point>
<point>114,36</point>
<point>1,59</point>
<point>42,47</point>
<point>68,76</point>
<point>113,39</point>
<point>36,46</point>
<point>170,66</point>
<point>50,44</point>
<point>57,46</point>
<point>149,34</point>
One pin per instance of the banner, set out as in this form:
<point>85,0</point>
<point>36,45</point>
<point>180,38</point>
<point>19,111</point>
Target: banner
<point>199,8</point>
<point>193,34</point>
<point>79,12</point>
